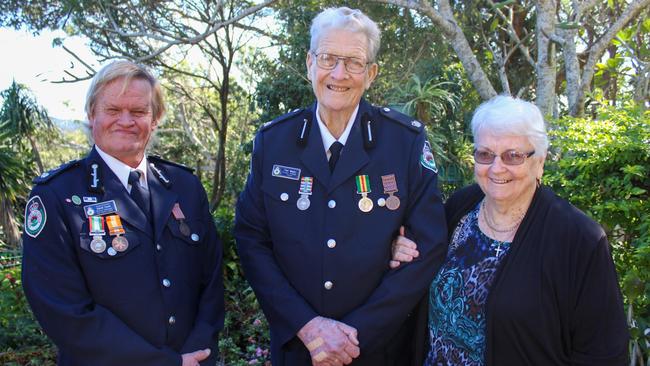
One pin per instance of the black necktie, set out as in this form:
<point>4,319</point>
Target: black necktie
<point>335,149</point>
<point>139,194</point>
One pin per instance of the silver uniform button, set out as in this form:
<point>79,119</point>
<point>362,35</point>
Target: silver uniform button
<point>284,196</point>
<point>172,320</point>
<point>158,247</point>
<point>381,202</point>
<point>111,251</point>
<point>331,243</point>
<point>195,237</point>
<point>331,204</point>
<point>328,285</point>
<point>416,124</point>
<point>166,282</point>
<point>386,109</point>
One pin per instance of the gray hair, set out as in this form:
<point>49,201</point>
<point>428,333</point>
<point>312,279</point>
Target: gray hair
<point>508,116</point>
<point>348,19</point>
<point>126,70</point>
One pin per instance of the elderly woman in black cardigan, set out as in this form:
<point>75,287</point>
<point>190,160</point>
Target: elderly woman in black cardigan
<point>528,278</point>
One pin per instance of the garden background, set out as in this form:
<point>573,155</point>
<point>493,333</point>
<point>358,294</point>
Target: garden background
<point>228,66</point>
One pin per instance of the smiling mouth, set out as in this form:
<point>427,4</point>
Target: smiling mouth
<point>500,181</point>
<point>337,88</point>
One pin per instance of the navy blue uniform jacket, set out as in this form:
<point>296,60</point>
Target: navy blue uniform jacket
<point>291,256</point>
<point>161,297</point>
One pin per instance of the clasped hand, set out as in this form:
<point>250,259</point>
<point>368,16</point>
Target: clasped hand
<point>330,342</point>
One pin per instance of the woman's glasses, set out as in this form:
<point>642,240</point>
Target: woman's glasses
<point>508,157</point>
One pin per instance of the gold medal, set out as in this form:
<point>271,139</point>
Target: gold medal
<point>120,243</point>
<point>365,204</point>
<point>363,188</point>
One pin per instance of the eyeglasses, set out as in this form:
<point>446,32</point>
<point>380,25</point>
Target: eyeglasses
<point>327,61</point>
<point>508,157</point>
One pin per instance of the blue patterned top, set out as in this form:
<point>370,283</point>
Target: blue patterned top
<point>458,295</point>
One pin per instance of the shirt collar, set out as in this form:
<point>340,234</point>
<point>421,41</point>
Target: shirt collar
<point>327,137</point>
<point>122,170</point>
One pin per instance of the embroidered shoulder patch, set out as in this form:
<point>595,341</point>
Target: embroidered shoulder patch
<point>426,159</point>
<point>35,216</point>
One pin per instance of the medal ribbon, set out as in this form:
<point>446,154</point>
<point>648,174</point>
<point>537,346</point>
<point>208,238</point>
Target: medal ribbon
<point>389,182</point>
<point>114,223</point>
<point>306,184</point>
<point>96,224</point>
<point>363,184</point>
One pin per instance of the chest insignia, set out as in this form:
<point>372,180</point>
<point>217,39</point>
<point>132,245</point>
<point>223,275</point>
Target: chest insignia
<point>101,208</point>
<point>286,172</point>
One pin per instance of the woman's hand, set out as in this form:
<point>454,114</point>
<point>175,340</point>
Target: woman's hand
<point>404,250</point>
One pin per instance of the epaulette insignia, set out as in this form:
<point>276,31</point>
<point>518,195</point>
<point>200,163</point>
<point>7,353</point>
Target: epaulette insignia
<point>158,159</point>
<point>283,117</point>
<point>402,118</point>
<point>47,176</point>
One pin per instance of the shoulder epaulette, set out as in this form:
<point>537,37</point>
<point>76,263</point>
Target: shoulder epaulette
<point>401,118</point>
<point>47,176</point>
<point>158,159</point>
<point>283,117</point>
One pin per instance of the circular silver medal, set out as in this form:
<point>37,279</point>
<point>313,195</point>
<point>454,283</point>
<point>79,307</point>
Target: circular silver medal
<point>120,243</point>
<point>98,245</point>
<point>365,204</point>
<point>303,203</point>
<point>392,202</point>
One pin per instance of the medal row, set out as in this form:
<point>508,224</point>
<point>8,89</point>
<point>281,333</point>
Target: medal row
<point>365,204</point>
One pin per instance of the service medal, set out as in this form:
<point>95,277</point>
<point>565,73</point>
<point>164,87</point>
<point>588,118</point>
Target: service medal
<point>180,217</point>
<point>97,245</point>
<point>96,224</point>
<point>306,184</point>
<point>390,186</point>
<point>184,228</point>
<point>120,243</point>
<point>363,188</point>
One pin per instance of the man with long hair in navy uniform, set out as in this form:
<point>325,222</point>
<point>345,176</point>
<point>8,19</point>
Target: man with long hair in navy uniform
<point>122,263</point>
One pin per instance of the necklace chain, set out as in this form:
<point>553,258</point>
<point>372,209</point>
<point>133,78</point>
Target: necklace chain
<point>491,225</point>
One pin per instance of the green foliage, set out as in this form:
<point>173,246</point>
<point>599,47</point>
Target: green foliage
<point>21,340</point>
<point>603,167</point>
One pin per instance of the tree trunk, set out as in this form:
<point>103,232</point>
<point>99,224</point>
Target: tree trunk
<point>9,224</point>
<point>641,86</point>
<point>545,67</point>
<point>37,154</point>
<point>461,46</point>
<point>598,49</point>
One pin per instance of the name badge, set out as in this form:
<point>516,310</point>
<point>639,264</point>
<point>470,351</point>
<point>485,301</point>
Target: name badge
<point>101,208</point>
<point>286,172</point>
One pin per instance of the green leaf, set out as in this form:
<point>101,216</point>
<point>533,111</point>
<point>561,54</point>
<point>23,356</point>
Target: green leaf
<point>568,25</point>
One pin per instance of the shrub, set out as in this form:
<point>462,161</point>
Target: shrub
<point>602,166</point>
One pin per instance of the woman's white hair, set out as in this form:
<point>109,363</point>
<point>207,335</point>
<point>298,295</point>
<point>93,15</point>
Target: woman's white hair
<point>504,115</point>
<point>347,19</point>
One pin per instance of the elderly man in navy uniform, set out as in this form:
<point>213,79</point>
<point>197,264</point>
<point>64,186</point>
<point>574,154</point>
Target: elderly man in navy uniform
<point>329,187</point>
<point>121,263</point>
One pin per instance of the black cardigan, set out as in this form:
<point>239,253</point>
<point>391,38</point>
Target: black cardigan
<point>555,299</point>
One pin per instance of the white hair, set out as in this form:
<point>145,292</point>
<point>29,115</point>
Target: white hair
<point>508,116</point>
<point>348,19</point>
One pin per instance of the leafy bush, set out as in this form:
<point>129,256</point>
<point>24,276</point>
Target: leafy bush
<point>21,340</point>
<point>602,166</point>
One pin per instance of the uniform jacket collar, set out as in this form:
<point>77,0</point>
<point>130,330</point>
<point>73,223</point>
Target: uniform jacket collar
<point>353,157</point>
<point>162,199</point>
